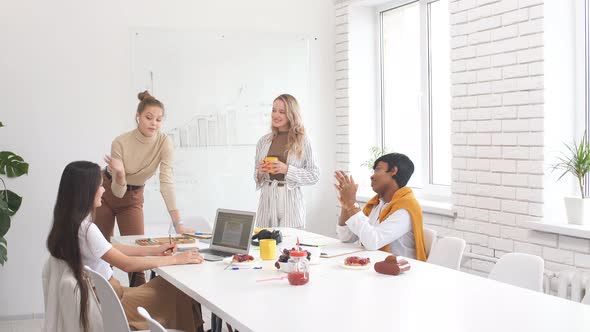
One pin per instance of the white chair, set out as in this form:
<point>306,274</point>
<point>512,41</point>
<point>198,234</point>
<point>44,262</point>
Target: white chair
<point>154,325</point>
<point>429,240</point>
<point>586,298</point>
<point>447,252</point>
<point>198,223</point>
<point>113,314</point>
<point>518,269</point>
<point>61,295</point>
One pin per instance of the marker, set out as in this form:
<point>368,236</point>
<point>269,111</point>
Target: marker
<point>247,268</point>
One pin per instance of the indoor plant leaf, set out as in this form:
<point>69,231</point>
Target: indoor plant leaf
<point>4,206</point>
<point>4,223</point>
<point>13,203</point>
<point>374,153</point>
<point>3,250</point>
<point>12,165</point>
<point>576,161</point>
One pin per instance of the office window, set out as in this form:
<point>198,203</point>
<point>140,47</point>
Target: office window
<point>415,89</point>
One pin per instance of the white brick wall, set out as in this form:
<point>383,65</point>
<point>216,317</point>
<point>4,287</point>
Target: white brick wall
<point>497,101</point>
<point>497,86</point>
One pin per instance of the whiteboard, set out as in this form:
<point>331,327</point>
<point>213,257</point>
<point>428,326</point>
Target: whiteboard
<point>217,89</point>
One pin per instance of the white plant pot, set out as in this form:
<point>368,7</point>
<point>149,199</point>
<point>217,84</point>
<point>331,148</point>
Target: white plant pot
<point>578,210</point>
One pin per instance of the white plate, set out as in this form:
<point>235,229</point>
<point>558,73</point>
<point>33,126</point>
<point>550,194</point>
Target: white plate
<point>229,260</point>
<point>355,267</point>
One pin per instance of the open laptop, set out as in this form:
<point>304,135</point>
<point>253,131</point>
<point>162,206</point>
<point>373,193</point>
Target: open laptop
<point>232,231</point>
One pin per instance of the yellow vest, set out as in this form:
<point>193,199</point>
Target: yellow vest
<point>403,198</point>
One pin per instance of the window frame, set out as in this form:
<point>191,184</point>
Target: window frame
<point>586,14</point>
<point>429,190</point>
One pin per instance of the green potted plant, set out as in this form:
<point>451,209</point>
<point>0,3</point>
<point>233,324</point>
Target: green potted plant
<point>12,166</point>
<point>576,161</point>
<point>374,153</point>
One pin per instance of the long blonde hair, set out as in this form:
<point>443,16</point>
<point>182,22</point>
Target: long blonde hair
<point>296,130</point>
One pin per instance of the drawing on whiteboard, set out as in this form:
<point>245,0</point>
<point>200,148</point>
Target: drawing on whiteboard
<point>232,124</point>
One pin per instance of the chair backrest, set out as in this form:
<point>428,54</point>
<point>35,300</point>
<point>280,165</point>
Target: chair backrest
<point>113,314</point>
<point>198,223</point>
<point>586,298</point>
<point>62,313</point>
<point>429,240</point>
<point>447,252</point>
<point>154,325</point>
<point>518,269</point>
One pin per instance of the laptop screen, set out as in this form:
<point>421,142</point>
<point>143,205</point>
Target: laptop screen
<point>233,230</point>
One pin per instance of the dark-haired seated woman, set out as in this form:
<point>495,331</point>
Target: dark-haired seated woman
<point>75,239</point>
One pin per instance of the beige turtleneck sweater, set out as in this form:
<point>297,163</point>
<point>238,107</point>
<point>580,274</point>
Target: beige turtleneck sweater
<point>141,157</point>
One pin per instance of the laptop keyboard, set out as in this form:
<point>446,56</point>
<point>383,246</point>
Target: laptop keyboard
<point>216,252</point>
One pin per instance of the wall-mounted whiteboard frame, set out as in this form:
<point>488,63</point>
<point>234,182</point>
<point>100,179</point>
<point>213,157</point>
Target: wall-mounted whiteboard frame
<point>218,90</point>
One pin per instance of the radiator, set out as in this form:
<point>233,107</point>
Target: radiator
<point>568,284</point>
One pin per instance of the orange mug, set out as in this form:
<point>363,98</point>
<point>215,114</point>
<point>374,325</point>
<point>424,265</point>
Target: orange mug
<point>268,162</point>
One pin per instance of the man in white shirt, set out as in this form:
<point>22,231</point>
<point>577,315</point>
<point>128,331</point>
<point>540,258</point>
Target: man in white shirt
<point>392,220</point>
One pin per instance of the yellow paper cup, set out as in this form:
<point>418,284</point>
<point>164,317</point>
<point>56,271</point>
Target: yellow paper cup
<point>268,249</point>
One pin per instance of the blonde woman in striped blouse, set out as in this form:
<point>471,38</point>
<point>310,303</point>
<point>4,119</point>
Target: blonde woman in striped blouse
<point>280,180</point>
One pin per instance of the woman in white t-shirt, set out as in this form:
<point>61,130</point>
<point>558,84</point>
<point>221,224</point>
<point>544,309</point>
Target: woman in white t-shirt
<point>75,239</point>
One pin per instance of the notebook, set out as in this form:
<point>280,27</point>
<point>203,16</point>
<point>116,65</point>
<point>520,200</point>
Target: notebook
<point>232,230</point>
<point>340,249</point>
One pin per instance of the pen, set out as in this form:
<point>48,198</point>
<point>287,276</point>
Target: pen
<point>200,233</point>
<point>310,245</point>
<point>170,241</point>
<point>247,268</point>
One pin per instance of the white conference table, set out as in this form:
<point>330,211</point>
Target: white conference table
<point>426,298</point>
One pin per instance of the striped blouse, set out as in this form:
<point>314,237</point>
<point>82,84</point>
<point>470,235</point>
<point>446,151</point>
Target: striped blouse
<point>301,172</point>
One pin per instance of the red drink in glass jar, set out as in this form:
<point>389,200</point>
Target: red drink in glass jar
<point>298,278</point>
<point>298,267</point>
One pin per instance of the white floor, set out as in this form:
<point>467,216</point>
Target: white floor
<point>32,325</point>
<point>36,325</point>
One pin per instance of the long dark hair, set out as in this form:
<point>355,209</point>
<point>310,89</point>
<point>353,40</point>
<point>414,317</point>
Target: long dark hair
<point>75,201</point>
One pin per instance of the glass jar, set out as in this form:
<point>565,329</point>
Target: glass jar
<point>298,268</point>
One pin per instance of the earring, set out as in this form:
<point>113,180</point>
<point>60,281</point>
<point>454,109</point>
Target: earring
<point>137,120</point>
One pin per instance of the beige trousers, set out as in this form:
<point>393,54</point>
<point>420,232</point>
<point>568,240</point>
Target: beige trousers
<point>129,213</point>
<point>165,303</point>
